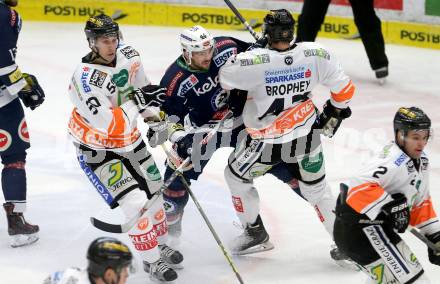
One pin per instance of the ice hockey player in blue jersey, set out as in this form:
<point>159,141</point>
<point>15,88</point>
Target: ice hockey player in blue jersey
<point>14,136</point>
<point>195,102</point>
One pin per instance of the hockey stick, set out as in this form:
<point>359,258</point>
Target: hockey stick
<point>208,223</point>
<point>125,227</point>
<point>424,239</point>
<point>240,17</point>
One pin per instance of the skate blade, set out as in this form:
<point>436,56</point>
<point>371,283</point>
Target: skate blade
<point>175,266</point>
<point>382,81</point>
<point>348,264</point>
<point>23,240</point>
<point>258,248</point>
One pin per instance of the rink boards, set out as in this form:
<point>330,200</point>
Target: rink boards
<point>143,13</point>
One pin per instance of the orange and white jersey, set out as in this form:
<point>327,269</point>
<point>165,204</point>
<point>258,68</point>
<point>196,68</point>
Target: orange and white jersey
<point>389,173</point>
<point>104,117</point>
<point>279,106</point>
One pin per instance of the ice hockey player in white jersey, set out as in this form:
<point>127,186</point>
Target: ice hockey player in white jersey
<point>109,261</point>
<point>110,149</point>
<point>390,193</point>
<point>283,124</point>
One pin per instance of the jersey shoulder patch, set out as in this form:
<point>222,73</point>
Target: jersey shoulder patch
<point>129,52</point>
<point>254,57</point>
<point>97,78</point>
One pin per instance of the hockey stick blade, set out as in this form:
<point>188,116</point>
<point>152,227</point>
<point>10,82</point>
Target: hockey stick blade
<point>111,228</point>
<point>125,227</point>
<point>424,239</point>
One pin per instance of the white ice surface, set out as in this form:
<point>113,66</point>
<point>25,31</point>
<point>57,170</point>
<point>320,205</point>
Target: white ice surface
<point>61,200</point>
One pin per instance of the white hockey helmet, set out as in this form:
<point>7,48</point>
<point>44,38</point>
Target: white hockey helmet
<point>195,39</point>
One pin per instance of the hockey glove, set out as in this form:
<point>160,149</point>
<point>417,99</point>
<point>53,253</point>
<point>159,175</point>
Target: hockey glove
<point>434,258</point>
<point>397,212</point>
<point>148,96</point>
<point>32,94</point>
<point>157,129</point>
<point>331,117</point>
<point>184,146</point>
<point>236,101</point>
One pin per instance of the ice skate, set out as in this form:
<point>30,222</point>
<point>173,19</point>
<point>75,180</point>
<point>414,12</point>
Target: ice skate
<point>342,259</point>
<point>160,271</point>
<point>21,232</point>
<point>381,74</point>
<point>254,239</point>
<point>173,257</point>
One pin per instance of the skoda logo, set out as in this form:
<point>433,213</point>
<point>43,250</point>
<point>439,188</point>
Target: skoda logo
<point>288,60</point>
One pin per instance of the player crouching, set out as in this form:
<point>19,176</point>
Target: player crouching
<point>391,193</point>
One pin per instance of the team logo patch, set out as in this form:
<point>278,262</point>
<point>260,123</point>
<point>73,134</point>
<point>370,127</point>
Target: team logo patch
<point>425,163</point>
<point>159,215</point>
<point>143,224</point>
<point>237,204</point>
<point>5,140</point>
<point>145,241</point>
<point>313,164</point>
<point>257,59</point>
<point>219,99</point>
<point>97,79</point>
<point>129,52</point>
<point>320,52</point>
<point>288,60</point>
<point>23,131</point>
<point>187,85</point>
<point>400,159</point>
<point>410,166</point>
<point>121,78</point>
<point>221,58</point>
<point>259,170</point>
<point>84,76</point>
<point>153,173</point>
<point>15,76</point>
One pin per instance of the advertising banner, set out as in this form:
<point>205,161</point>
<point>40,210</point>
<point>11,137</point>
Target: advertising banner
<point>381,4</point>
<point>432,7</point>
<point>159,14</point>
<point>80,10</point>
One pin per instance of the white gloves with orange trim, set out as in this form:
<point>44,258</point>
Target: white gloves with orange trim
<point>331,117</point>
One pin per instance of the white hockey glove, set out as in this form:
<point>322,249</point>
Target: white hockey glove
<point>157,129</point>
